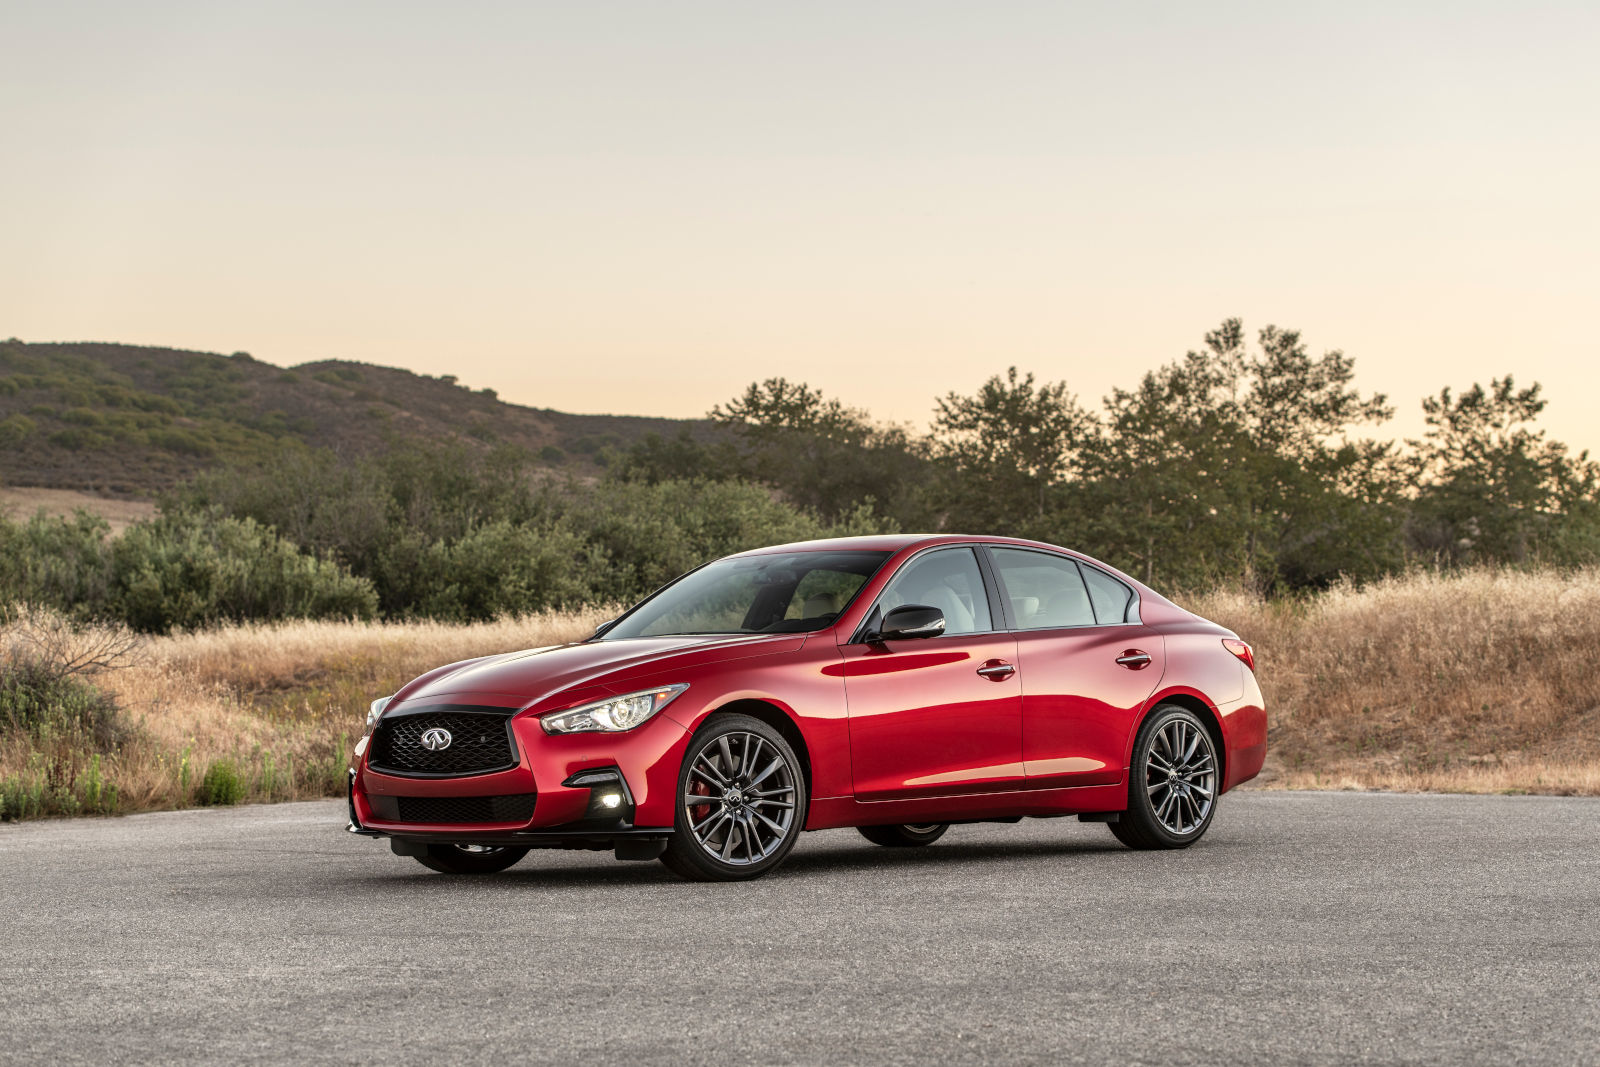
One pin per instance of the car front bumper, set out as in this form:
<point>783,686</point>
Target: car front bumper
<point>586,790</point>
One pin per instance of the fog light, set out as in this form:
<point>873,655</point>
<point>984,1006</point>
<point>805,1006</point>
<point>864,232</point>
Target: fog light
<point>610,800</point>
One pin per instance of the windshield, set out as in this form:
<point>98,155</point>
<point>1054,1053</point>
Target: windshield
<point>784,593</point>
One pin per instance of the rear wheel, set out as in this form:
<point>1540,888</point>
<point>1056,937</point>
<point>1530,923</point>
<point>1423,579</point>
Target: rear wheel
<point>904,835</point>
<point>470,859</point>
<point>741,802</point>
<point>1172,786</point>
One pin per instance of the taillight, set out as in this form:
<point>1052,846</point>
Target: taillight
<point>1245,653</point>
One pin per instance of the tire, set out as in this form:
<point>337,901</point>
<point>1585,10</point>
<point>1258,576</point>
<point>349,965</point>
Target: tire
<point>904,835</point>
<point>736,833</point>
<point>457,859</point>
<point>1172,783</point>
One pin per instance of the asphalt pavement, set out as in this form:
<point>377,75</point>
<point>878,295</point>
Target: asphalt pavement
<point>1306,928</point>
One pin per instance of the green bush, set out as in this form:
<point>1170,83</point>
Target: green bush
<point>190,570</point>
<point>41,701</point>
<point>15,429</point>
<point>181,570</point>
<point>183,442</point>
<point>57,562</point>
<point>221,785</point>
<point>79,440</point>
<point>641,536</point>
<point>458,532</point>
<point>499,569</point>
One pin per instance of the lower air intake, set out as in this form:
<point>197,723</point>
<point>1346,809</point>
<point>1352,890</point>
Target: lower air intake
<point>455,810</point>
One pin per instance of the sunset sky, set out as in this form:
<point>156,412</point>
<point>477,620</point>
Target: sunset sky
<point>640,207</point>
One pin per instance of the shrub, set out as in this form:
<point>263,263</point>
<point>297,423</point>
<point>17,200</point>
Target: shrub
<point>60,562</point>
<point>83,416</point>
<point>45,663</point>
<point>79,440</point>
<point>183,442</point>
<point>184,569</point>
<point>37,700</point>
<point>455,532</point>
<point>645,535</point>
<point>502,569</point>
<point>15,429</point>
<point>189,570</point>
<point>221,785</point>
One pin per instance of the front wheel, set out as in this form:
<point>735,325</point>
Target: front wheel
<point>470,859</point>
<point>904,835</point>
<point>1172,784</point>
<point>741,802</point>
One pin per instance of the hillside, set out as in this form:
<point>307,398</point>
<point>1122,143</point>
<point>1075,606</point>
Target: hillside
<point>126,420</point>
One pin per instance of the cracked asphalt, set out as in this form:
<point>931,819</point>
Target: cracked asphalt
<point>1316,928</point>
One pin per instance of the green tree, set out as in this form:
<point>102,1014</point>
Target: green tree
<point>1492,487</point>
<point>823,456</point>
<point>1005,448</point>
<point>1231,462</point>
<point>655,458</point>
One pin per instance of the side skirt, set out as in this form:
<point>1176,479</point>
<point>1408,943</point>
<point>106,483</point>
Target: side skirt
<point>829,812</point>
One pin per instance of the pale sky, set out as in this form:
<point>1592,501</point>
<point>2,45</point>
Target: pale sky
<point>640,207</point>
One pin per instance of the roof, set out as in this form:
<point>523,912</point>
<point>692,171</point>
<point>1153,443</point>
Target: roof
<point>886,543</point>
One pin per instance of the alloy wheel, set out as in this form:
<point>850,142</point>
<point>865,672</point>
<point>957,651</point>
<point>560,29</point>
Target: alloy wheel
<point>740,798</point>
<point>1181,776</point>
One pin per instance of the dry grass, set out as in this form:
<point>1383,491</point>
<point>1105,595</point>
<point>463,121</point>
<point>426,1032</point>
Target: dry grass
<point>20,504</point>
<point>281,704</point>
<point>1477,682</point>
<point>1485,681</point>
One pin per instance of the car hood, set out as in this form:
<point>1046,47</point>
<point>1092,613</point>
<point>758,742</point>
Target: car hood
<point>529,677</point>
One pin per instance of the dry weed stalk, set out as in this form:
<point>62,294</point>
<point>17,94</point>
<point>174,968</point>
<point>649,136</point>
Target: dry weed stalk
<point>64,646</point>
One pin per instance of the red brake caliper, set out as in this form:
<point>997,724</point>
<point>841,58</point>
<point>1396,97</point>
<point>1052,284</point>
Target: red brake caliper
<point>698,812</point>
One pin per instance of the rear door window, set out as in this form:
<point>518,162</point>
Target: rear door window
<point>1045,591</point>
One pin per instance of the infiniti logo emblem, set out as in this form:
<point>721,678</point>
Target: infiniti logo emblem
<point>436,739</point>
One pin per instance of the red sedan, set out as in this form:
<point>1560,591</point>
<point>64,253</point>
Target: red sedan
<point>893,684</point>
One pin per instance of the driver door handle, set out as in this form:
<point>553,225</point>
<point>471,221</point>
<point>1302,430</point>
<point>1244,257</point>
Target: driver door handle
<point>997,669</point>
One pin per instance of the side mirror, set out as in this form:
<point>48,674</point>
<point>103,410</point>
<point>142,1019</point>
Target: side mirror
<point>911,620</point>
<point>602,628</point>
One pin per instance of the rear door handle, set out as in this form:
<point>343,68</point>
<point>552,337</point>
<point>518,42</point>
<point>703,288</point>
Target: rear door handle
<point>1134,659</point>
<point>997,669</point>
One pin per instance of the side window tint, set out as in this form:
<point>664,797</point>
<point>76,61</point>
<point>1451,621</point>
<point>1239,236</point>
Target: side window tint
<point>949,580</point>
<point>1045,591</point>
<point>1111,598</point>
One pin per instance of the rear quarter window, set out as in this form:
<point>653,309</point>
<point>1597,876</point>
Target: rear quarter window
<point>1113,601</point>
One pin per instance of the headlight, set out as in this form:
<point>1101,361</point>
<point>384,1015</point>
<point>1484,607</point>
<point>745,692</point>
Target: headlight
<point>375,710</point>
<point>612,715</point>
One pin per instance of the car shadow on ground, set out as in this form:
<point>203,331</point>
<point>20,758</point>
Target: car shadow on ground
<point>847,854</point>
<point>841,854</point>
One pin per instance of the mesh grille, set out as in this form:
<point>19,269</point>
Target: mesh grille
<point>479,742</point>
<point>517,808</point>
